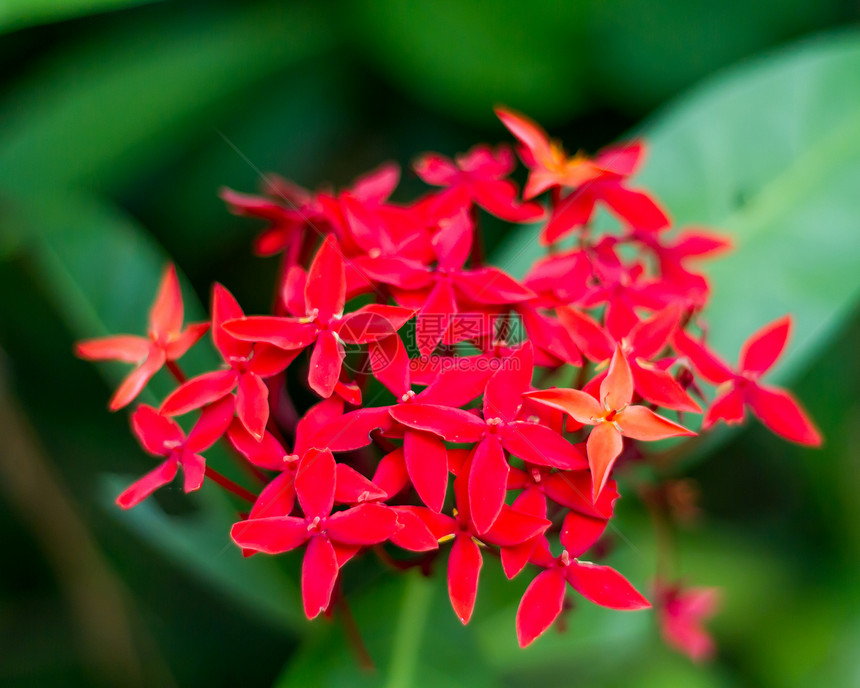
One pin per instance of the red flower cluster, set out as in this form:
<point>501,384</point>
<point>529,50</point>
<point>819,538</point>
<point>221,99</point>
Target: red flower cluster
<point>533,391</point>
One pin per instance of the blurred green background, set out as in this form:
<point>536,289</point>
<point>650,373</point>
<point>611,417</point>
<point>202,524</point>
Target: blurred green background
<point>119,121</point>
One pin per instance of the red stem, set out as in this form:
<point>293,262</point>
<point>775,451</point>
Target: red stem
<point>177,372</point>
<point>229,485</point>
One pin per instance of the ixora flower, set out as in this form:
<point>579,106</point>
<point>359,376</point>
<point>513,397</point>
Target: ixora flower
<point>489,413</point>
<point>167,342</point>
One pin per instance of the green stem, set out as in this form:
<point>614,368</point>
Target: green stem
<point>410,627</point>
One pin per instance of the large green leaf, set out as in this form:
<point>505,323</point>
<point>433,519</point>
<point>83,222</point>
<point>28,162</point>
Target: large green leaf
<point>93,113</point>
<point>770,154</point>
<point>15,14</point>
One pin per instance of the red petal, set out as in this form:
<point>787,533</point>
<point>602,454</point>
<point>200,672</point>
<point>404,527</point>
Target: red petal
<point>158,434</point>
<point>266,453</point>
<point>194,467</point>
<point>455,386</point>
<point>325,365</point>
<point>372,323</point>
<point>213,422</point>
<point>640,423</point>
<point>503,396</point>
<point>660,388</point>
<point>365,524</point>
<point>319,574</point>
<point>464,568</point>
<point>587,334</point>
<point>604,446</point>
<point>352,430</point>
<point>706,363</point>
<point>391,473</point>
<point>317,418</point>
<point>165,316</point>
<point>326,286</point>
<point>488,479</point>
<point>514,528</point>
<point>351,487</point>
<point>540,606</point>
<point>377,185</point>
<point>573,490</point>
<point>649,337</point>
<point>225,307</point>
<point>252,404</point>
<point>604,586</point>
<point>636,208</point>
<point>763,348</point>
<point>623,159</point>
<point>199,391</point>
<point>277,498</point>
<point>491,285</point>
<point>453,241</point>
<point>782,414</point>
<point>145,486</point>
<point>728,407</point>
<point>529,133</point>
<point>414,534</point>
<point>573,212</point>
<point>285,333</point>
<point>192,334</point>
<point>579,533</point>
<point>541,445</point>
<point>389,362</point>
<point>427,465</point>
<point>435,316</point>
<point>315,483</point>
<point>272,535</point>
<point>435,169</point>
<point>269,360</point>
<point>583,407</point>
<point>123,347</point>
<point>616,390</point>
<point>452,424</point>
<point>136,380</point>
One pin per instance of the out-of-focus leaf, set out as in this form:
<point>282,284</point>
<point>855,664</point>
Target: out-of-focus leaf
<point>201,543</point>
<point>413,638</point>
<point>770,154</point>
<point>16,14</point>
<point>95,114</point>
<point>658,48</point>
<point>464,57</point>
<point>101,271</point>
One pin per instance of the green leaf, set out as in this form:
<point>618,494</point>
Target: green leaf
<point>100,270</point>
<point>465,57</point>
<point>95,114</point>
<point>16,14</point>
<point>200,542</point>
<point>770,154</point>
<point>410,632</point>
<point>643,68</point>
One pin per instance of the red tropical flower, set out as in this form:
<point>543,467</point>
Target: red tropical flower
<point>776,408</point>
<point>167,341</point>
<point>613,417</point>
<point>479,176</point>
<point>681,612</point>
<point>324,324</point>
<point>248,365</point>
<point>544,598</point>
<point>599,180</point>
<point>162,436</point>
<point>498,430</point>
<point>331,539</point>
